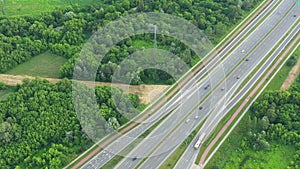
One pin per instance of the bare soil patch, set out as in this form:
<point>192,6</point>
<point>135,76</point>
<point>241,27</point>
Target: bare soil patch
<point>293,74</point>
<point>146,93</point>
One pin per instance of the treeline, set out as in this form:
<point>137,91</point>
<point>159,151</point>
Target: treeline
<point>39,127</point>
<point>63,31</point>
<point>276,118</point>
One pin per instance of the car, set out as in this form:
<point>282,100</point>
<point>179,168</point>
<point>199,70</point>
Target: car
<point>200,108</point>
<point>246,59</point>
<point>134,158</point>
<point>243,51</point>
<point>238,77</point>
<point>207,86</point>
<point>223,88</point>
<point>187,120</point>
<point>196,117</point>
<point>295,15</point>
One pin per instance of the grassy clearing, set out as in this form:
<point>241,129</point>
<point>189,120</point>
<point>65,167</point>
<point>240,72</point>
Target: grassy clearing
<point>6,92</point>
<point>36,7</point>
<point>278,80</point>
<point>231,155</point>
<point>43,65</point>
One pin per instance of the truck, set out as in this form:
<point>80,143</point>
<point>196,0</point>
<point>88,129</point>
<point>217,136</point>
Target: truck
<point>199,141</point>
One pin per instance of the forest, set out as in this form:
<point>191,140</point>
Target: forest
<point>64,31</point>
<point>39,127</point>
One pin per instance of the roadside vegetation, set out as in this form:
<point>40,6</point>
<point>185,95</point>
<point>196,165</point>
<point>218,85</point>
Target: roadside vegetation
<point>268,136</point>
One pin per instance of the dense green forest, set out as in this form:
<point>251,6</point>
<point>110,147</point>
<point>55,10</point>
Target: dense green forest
<point>39,127</point>
<point>268,136</point>
<point>64,31</point>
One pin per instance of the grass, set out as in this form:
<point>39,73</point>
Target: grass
<point>231,155</point>
<point>43,65</point>
<point>6,92</point>
<point>278,80</point>
<point>36,7</point>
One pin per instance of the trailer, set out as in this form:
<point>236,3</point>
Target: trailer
<point>199,141</point>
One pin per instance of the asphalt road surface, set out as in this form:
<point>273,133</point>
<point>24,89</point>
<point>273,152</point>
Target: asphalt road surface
<point>239,74</point>
<point>190,154</point>
<point>125,140</point>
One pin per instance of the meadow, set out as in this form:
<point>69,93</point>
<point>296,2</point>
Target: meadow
<point>36,7</point>
<point>43,65</point>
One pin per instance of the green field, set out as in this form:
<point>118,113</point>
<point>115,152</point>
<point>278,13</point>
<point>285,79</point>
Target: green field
<point>36,7</point>
<point>43,65</point>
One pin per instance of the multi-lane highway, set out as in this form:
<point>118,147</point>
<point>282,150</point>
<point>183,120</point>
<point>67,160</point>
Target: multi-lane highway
<point>259,43</point>
<point>190,154</point>
<point>104,156</point>
<point>189,105</point>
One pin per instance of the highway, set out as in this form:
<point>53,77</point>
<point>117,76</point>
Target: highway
<point>244,68</point>
<point>190,154</point>
<point>104,156</point>
<point>234,59</point>
<point>124,140</point>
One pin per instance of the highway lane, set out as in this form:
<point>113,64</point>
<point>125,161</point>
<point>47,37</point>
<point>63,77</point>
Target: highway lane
<point>144,148</point>
<point>190,154</point>
<point>262,50</point>
<point>105,156</point>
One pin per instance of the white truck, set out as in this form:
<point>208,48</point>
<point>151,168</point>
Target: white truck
<point>199,141</point>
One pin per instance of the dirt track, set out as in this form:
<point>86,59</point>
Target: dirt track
<point>147,93</point>
<point>293,74</point>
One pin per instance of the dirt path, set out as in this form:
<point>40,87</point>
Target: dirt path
<point>147,93</point>
<point>293,74</point>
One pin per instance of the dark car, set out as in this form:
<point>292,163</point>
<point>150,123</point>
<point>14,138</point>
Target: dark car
<point>134,158</point>
<point>206,87</point>
<point>200,108</point>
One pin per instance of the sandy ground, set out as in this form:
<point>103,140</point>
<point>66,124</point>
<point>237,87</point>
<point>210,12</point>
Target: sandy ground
<point>146,93</point>
<point>293,74</point>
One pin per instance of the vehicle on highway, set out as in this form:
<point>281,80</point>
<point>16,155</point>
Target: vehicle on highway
<point>134,158</point>
<point>238,77</point>
<point>199,141</point>
<point>243,51</point>
<point>247,59</point>
<point>207,86</point>
<point>187,120</point>
<point>200,108</point>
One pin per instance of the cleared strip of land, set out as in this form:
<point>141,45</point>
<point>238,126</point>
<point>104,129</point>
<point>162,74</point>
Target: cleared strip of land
<point>293,74</point>
<point>146,93</point>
